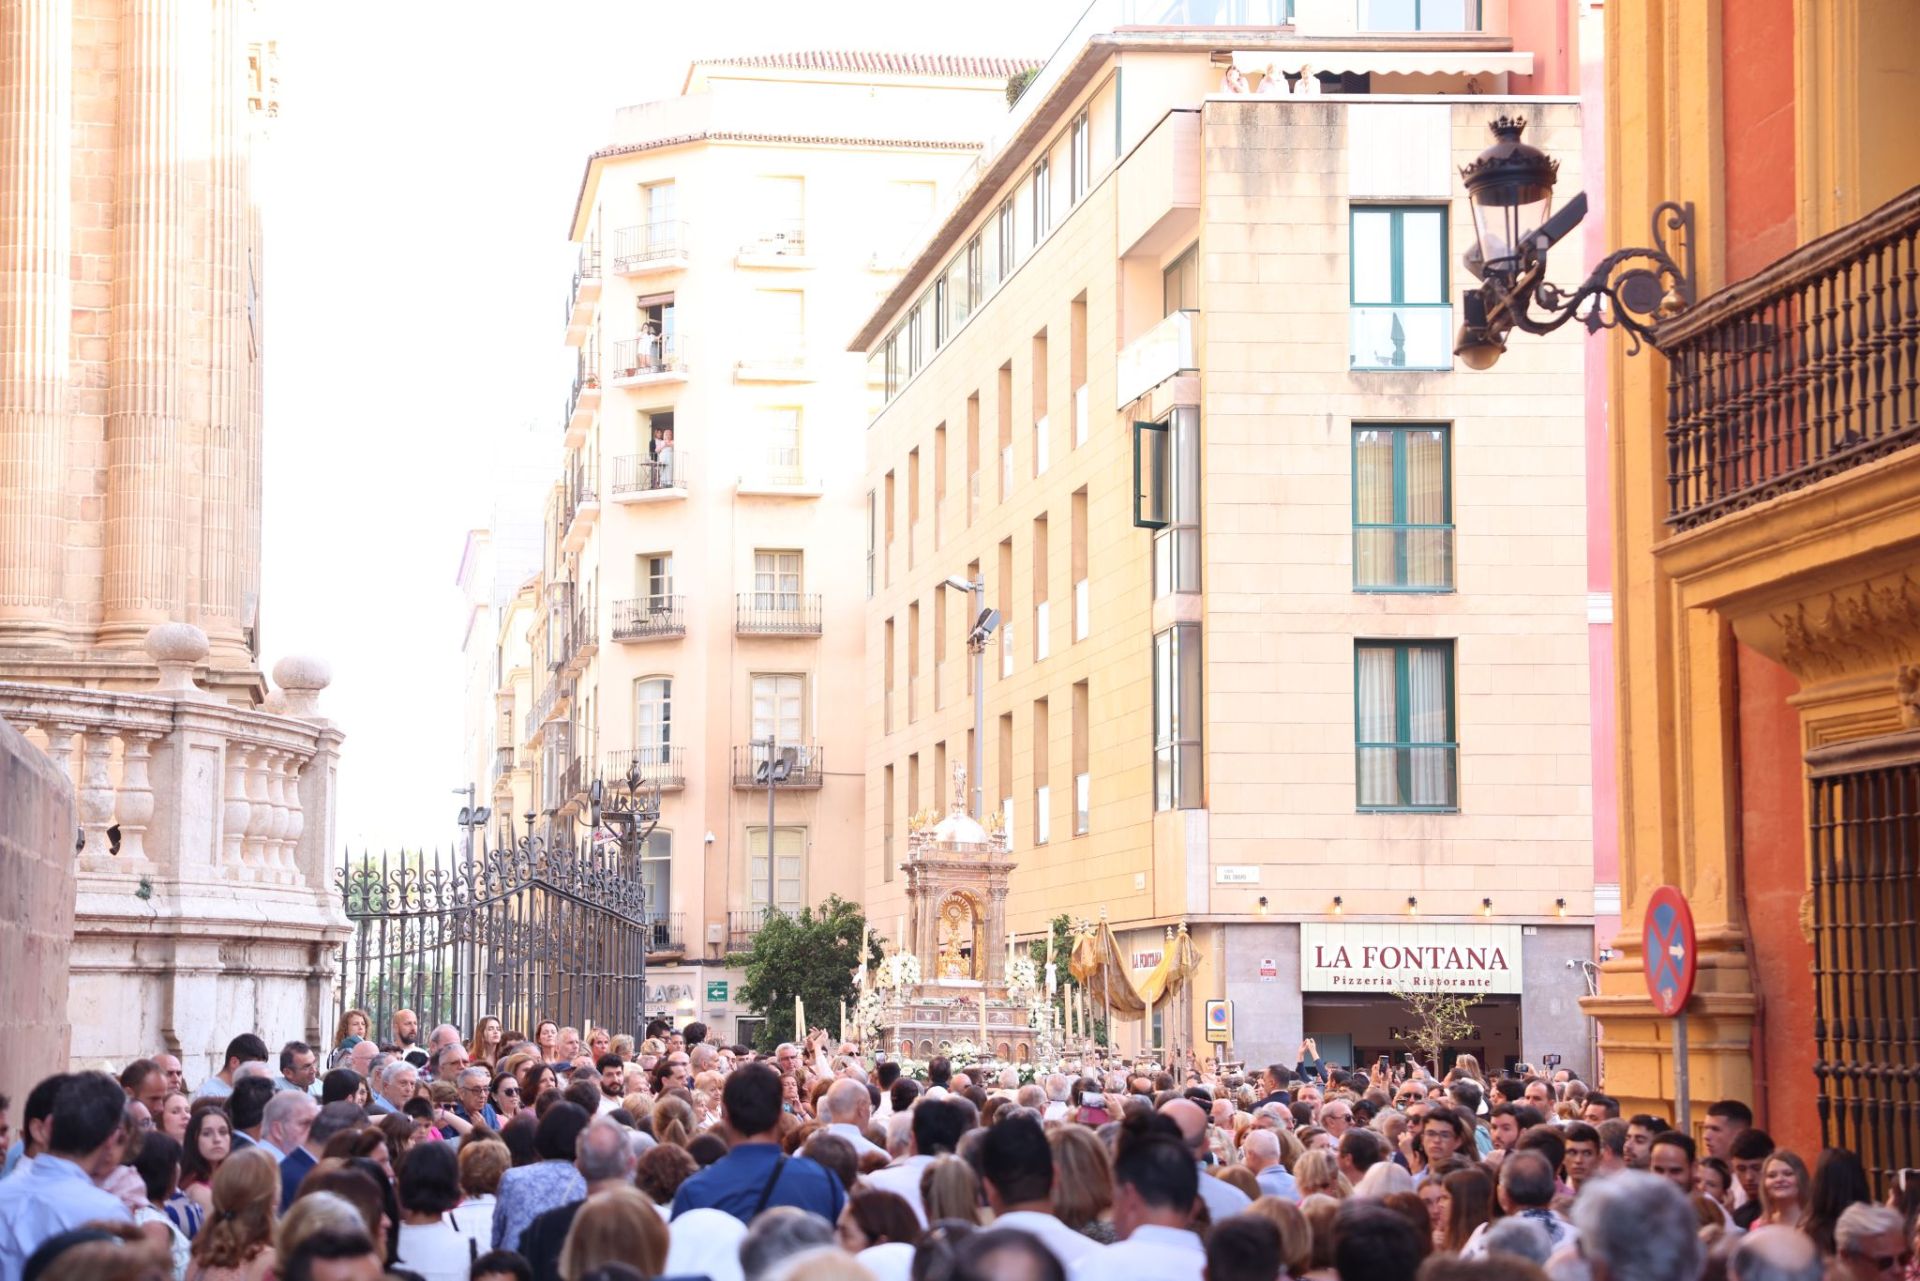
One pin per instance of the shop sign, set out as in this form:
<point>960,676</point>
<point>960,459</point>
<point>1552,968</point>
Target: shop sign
<point>1422,957</point>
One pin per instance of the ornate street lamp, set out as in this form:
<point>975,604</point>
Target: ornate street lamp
<point>630,809</point>
<point>1510,190</point>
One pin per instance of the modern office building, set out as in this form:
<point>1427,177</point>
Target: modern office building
<point>1292,639</point>
<point>699,621</point>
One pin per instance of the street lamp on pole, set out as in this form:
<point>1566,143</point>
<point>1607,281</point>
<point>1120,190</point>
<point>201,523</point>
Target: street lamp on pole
<point>984,622</point>
<point>471,817</point>
<point>772,771</point>
<point>632,811</point>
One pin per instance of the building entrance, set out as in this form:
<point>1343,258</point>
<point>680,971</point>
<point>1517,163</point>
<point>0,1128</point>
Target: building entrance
<point>1356,1030</point>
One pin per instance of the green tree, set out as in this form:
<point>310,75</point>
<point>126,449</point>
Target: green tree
<point>1017,84</point>
<point>1440,1019</point>
<point>1062,931</point>
<point>812,955</point>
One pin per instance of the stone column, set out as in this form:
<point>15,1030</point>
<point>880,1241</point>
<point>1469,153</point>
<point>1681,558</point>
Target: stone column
<point>145,485</point>
<point>36,309</point>
<point>222,589</point>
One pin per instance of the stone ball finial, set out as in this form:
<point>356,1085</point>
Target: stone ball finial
<point>175,649</point>
<point>300,680</point>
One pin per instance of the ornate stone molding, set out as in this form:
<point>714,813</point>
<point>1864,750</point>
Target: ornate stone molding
<point>1868,627</point>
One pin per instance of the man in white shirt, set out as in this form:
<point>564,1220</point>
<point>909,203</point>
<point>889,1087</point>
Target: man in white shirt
<point>1155,1183</point>
<point>57,1193</point>
<point>847,1110</point>
<point>1223,1199</point>
<point>937,1127</point>
<point>1016,1166</point>
<point>1059,1091</point>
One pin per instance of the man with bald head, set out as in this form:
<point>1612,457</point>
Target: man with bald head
<point>1775,1253</point>
<point>1222,1199</point>
<point>1261,1154</point>
<point>847,1108</point>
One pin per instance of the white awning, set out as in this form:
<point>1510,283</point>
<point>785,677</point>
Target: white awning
<point>1436,62</point>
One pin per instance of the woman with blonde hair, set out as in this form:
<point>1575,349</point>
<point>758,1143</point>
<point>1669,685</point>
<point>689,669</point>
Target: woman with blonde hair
<point>484,1049</point>
<point>1296,1238</point>
<point>1318,1171</point>
<point>1783,1189</point>
<point>1468,1066</point>
<point>1320,1212</point>
<point>673,1121</point>
<point>616,1226</point>
<point>1082,1182</point>
<point>950,1190</point>
<point>236,1242</point>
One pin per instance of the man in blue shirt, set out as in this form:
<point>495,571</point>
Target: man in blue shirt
<point>754,1174</point>
<point>57,1193</point>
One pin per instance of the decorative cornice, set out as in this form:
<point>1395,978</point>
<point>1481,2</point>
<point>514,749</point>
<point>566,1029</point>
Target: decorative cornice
<point>1869,626</point>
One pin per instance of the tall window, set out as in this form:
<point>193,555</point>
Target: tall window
<point>1402,509</point>
<point>1079,169</point>
<point>781,216</point>
<point>1176,718</point>
<point>1008,250</point>
<point>656,580</point>
<point>1176,549</point>
<point>781,443</point>
<point>776,580</point>
<point>653,714</point>
<point>1042,187</point>
<point>656,873</point>
<point>782,323</point>
<point>1180,283</point>
<point>1404,745</point>
<point>1400,318</point>
<point>789,872</point>
<point>779,705</point>
<point>873,537</point>
<point>659,206</point>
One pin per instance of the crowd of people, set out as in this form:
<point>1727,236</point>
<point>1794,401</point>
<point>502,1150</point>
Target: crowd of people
<point>503,1157</point>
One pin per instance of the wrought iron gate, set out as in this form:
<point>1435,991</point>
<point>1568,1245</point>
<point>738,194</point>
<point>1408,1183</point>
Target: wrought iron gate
<point>526,932</point>
<point>1865,822</point>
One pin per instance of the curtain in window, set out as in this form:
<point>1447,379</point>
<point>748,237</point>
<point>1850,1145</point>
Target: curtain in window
<point>1373,550</point>
<point>1376,717</point>
<point>652,719</point>
<point>789,848</point>
<point>1428,714</point>
<point>1428,552</point>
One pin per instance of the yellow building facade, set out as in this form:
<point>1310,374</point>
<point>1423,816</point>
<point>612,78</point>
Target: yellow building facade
<point>1331,710</point>
<point>1766,527</point>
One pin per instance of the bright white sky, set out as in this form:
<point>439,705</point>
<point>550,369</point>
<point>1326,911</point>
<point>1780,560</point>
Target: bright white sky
<point>423,168</point>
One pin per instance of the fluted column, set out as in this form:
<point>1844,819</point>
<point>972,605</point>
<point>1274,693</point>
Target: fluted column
<point>228,231</point>
<point>145,482</point>
<point>36,308</point>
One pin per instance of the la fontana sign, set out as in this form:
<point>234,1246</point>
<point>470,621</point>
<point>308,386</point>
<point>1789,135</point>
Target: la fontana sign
<point>1382,957</point>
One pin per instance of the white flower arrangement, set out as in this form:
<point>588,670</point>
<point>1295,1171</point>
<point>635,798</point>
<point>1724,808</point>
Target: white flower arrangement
<point>899,972</point>
<point>865,1021</point>
<point>962,1053</point>
<point>1023,980</point>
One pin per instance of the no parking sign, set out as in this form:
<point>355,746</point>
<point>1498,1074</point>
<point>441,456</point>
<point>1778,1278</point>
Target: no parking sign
<point>1219,1022</point>
<point>1669,958</point>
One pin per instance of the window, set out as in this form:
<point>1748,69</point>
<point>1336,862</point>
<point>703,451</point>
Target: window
<point>1419,15</point>
<point>655,575</point>
<point>976,273</point>
<point>873,537</point>
<point>1008,249</point>
<point>1402,509</point>
<point>780,446</point>
<point>1077,567</point>
<point>1180,283</point>
<point>886,824</point>
<point>1042,202</point>
<point>1400,318</point>
<point>1404,748</point>
<point>1176,548</point>
<point>1078,171</point>
<point>1176,718</point>
<point>661,233</point>
<point>1082,779</point>
<point>776,580</point>
<point>779,701</point>
<point>940,320</point>
<point>959,300</point>
<point>656,873</point>
<point>782,321</point>
<point>1042,617</point>
<point>1042,432</point>
<point>913,664</point>
<point>653,713</point>
<point>1042,792</point>
<point>780,219</point>
<point>789,871</point>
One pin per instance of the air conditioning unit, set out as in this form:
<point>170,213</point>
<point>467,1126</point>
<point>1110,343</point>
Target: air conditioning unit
<point>716,935</point>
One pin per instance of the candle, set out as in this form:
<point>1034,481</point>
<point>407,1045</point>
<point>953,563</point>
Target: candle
<point>983,1024</point>
<point>866,930</point>
<point>1069,1011</point>
<point>899,932</point>
<point>799,1019</point>
<point>843,1022</point>
<point>1011,936</point>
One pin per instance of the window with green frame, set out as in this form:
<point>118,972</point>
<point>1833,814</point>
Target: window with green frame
<point>1400,317</point>
<point>1405,753</point>
<point>1402,508</point>
<point>1419,15</point>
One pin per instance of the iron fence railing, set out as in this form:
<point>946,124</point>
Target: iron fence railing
<point>1805,370</point>
<point>648,243</point>
<point>742,926</point>
<point>649,618</point>
<point>666,932</point>
<point>664,767</point>
<point>641,473</point>
<point>777,614</point>
<point>785,237</point>
<point>586,268</point>
<point>796,765</point>
<point>647,354</point>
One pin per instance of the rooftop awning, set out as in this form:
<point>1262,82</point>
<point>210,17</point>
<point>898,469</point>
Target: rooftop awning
<point>1388,62</point>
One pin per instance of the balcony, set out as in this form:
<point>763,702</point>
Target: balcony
<point>580,505</point>
<point>781,476</point>
<point>742,927</point>
<point>648,360</point>
<point>781,362</point>
<point>661,767</point>
<point>1155,356</point>
<point>1404,336</point>
<point>555,700</point>
<point>665,934</point>
<point>649,618</point>
<point>584,297</point>
<point>797,766</point>
<point>583,637</point>
<point>1794,375</point>
<point>503,759</point>
<point>776,614</point>
<point>640,478</point>
<point>650,248</point>
<point>779,243</point>
<point>583,401</point>
<point>573,782</point>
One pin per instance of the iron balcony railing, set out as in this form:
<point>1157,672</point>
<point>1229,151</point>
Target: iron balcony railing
<point>583,635</point>
<point>555,692</point>
<point>800,765</point>
<point>649,242</point>
<point>503,758</point>
<point>647,354</point>
<point>1806,370</point>
<point>665,931</point>
<point>742,926</point>
<point>647,618</point>
<point>643,473</point>
<point>573,780</point>
<point>778,238</point>
<point>587,268</point>
<point>776,614</point>
<point>664,767</point>
<point>586,377</point>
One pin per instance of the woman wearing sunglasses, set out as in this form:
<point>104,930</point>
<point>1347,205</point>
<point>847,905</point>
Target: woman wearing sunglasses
<point>505,1097</point>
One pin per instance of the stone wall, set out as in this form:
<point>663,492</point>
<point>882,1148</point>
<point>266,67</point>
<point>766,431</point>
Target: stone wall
<point>36,913</point>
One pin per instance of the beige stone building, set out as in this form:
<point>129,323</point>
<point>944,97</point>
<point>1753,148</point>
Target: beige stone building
<point>131,346</point>
<point>700,603</point>
<point>1292,640</point>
